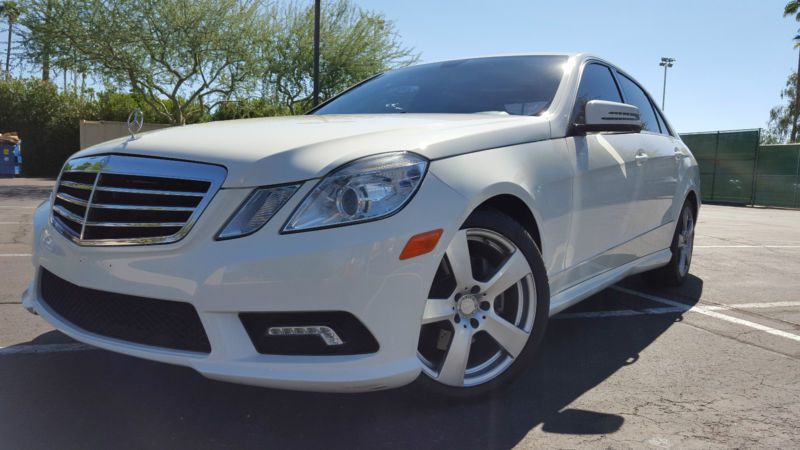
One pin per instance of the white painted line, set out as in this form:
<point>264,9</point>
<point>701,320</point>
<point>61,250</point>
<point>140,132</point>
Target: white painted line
<point>13,223</point>
<point>712,312</point>
<point>17,207</point>
<point>44,348</point>
<point>747,246</point>
<point>14,255</point>
<point>757,305</point>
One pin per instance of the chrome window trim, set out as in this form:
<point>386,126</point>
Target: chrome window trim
<point>134,166</point>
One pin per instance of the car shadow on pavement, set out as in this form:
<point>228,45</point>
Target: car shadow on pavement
<point>98,399</point>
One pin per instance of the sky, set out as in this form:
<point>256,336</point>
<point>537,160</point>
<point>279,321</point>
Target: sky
<point>732,57</point>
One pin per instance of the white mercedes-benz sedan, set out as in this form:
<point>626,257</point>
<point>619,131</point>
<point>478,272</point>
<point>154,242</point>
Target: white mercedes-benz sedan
<point>425,223</point>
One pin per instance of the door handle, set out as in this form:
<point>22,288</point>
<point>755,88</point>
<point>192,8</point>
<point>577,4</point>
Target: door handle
<point>641,157</point>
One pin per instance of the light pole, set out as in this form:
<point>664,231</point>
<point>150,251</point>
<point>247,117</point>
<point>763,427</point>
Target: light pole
<point>666,63</point>
<point>796,112</point>
<point>315,95</point>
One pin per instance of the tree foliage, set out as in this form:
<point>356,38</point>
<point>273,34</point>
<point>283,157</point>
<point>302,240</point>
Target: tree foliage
<point>47,122</point>
<point>182,61</point>
<point>792,8</point>
<point>782,118</point>
<point>176,54</point>
<point>186,59</point>
<point>10,11</point>
<point>355,44</point>
<point>44,45</point>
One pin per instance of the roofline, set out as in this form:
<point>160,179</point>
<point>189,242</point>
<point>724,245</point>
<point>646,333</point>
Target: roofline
<point>500,55</point>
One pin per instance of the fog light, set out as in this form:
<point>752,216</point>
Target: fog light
<point>325,333</point>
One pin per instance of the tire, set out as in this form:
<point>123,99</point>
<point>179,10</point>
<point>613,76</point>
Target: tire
<point>676,272</point>
<point>500,329</point>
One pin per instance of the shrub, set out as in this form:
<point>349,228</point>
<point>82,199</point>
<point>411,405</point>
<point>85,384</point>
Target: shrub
<point>47,122</point>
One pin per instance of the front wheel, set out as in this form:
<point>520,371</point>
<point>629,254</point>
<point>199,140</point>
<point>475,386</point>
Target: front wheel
<point>487,308</point>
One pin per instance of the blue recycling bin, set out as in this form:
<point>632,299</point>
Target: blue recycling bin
<point>10,159</point>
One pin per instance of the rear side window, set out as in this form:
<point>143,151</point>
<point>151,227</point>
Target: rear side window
<point>634,95</point>
<point>662,123</point>
<point>597,83</point>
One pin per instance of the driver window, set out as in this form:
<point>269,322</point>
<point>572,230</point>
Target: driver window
<point>597,83</point>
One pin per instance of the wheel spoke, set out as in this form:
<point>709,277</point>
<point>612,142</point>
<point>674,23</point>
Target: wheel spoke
<point>437,310</point>
<point>513,270</point>
<point>455,362</point>
<point>511,338</point>
<point>458,255</point>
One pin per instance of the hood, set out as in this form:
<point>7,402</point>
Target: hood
<point>277,150</point>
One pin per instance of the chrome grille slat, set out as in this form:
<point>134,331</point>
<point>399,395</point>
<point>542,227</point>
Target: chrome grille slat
<point>71,199</point>
<point>142,207</point>
<point>68,215</point>
<point>144,200</point>
<point>73,184</point>
<point>136,224</point>
<point>149,191</point>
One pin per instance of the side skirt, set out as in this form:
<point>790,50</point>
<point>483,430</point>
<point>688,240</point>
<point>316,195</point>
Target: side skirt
<point>573,295</point>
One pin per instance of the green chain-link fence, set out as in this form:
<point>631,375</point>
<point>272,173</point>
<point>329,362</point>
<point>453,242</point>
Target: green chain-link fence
<point>735,169</point>
<point>727,161</point>
<point>778,176</point>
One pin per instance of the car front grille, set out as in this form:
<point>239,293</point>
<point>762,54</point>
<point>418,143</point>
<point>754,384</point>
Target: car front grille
<point>127,200</point>
<point>158,323</point>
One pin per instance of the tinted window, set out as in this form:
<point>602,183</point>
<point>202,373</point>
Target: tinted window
<point>662,123</point>
<point>634,95</point>
<point>521,85</point>
<point>597,83</point>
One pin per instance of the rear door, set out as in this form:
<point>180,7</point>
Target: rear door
<point>605,184</point>
<point>659,170</point>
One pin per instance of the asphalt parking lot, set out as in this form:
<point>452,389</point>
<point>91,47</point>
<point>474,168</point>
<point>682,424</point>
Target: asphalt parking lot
<point>714,364</point>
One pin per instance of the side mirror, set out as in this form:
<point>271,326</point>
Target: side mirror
<point>610,116</point>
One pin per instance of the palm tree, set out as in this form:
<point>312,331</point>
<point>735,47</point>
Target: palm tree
<point>793,9</point>
<point>11,10</point>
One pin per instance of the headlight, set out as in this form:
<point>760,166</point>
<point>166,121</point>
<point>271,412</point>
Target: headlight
<point>256,211</point>
<point>367,189</point>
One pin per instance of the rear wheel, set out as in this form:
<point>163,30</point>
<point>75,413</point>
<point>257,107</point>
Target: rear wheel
<point>675,273</point>
<point>487,308</point>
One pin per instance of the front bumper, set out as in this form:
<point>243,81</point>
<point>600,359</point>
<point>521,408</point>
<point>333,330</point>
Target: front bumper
<point>353,268</point>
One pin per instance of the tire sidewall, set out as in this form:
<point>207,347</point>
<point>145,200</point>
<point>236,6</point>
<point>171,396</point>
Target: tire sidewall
<point>674,263</point>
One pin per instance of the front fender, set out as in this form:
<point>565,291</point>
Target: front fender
<point>538,173</point>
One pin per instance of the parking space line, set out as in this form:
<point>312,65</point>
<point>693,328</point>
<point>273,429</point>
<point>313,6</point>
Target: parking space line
<point>747,246</point>
<point>757,305</point>
<point>14,255</point>
<point>712,312</point>
<point>13,223</point>
<point>44,348</point>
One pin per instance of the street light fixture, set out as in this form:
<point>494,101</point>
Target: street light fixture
<point>666,63</point>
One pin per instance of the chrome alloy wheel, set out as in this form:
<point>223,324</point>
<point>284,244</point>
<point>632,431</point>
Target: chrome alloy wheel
<point>480,311</point>
<point>685,242</point>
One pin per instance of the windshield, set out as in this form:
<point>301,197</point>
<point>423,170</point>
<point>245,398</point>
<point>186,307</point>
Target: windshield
<point>519,85</point>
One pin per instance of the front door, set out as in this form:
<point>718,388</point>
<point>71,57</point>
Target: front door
<point>607,178</point>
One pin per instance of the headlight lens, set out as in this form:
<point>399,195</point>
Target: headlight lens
<point>256,211</point>
<point>366,189</point>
